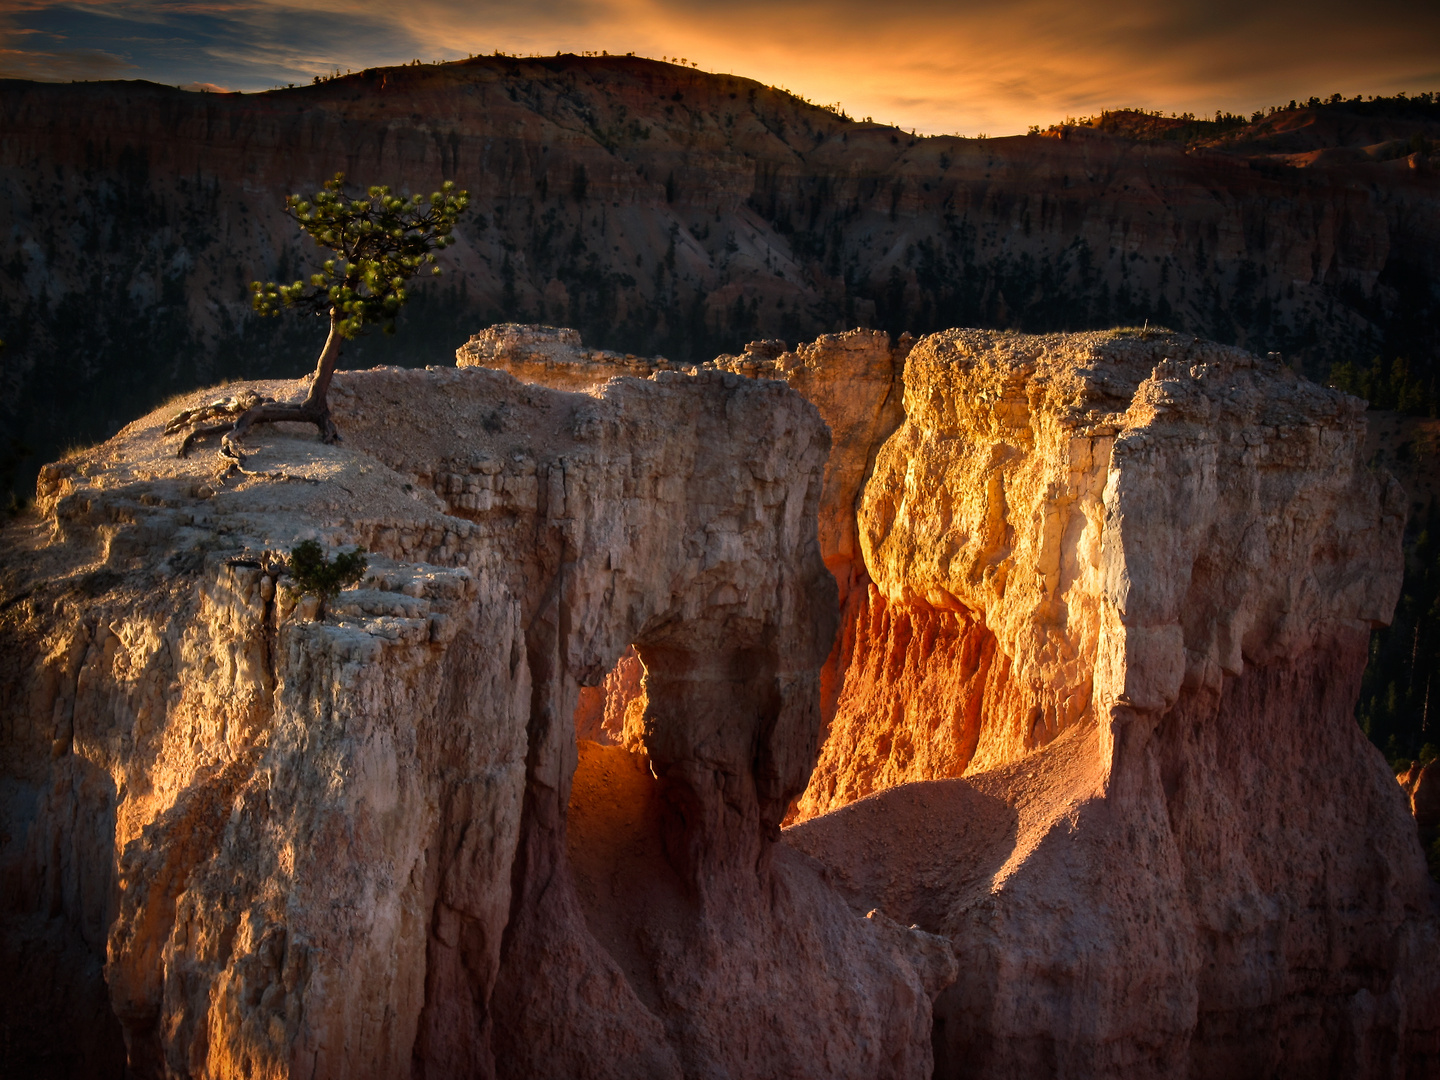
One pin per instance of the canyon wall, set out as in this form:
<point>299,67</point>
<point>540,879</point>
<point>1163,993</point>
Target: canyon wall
<point>1102,703</point>
<point>664,209</point>
<point>247,840</point>
<point>1109,598</point>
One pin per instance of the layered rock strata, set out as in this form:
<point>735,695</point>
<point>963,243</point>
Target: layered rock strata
<point>1123,587</point>
<point>362,842</point>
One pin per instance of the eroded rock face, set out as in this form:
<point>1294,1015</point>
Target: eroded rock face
<point>1123,587</point>
<point>1123,516</point>
<point>1422,787</point>
<point>340,847</point>
<point>613,713</point>
<point>1105,608</point>
<point>853,378</point>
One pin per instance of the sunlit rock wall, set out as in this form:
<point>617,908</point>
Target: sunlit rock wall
<point>1123,586</point>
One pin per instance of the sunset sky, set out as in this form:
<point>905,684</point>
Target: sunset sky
<point>971,66</point>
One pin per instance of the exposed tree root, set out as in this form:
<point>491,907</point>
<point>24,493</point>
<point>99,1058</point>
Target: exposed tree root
<point>232,417</point>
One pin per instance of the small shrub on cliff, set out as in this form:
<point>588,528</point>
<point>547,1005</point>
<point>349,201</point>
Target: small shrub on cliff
<point>324,578</point>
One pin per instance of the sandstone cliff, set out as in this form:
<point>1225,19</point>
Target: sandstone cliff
<point>367,845</point>
<point>1123,586</point>
<point>1092,716</point>
<point>1086,725</point>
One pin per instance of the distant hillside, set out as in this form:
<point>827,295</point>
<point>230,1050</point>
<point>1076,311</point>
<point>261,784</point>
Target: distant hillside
<point>1327,133</point>
<point>665,210</point>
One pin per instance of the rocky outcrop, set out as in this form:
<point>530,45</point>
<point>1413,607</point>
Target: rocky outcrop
<point>553,356</point>
<point>853,378</point>
<point>1092,716</point>
<point>368,844</point>
<point>613,713</point>
<point>987,516</point>
<point>1085,734</point>
<point>1101,704</point>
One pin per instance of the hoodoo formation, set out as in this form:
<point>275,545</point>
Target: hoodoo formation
<point>1124,588</point>
<point>1106,601</point>
<point>1067,757</point>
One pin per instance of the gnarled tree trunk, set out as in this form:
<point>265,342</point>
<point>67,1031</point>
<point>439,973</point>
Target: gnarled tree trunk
<point>317,398</point>
<point>315,409</point>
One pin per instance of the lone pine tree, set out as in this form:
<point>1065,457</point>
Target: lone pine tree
<point>380,242</point>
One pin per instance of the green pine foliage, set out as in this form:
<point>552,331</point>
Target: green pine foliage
<point>382,241</point>
<point>322,577</point>
<point>1394,384</point>
<point>1399,706</point>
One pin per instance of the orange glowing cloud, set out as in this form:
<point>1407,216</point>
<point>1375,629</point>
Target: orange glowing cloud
<point>936,66</point>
